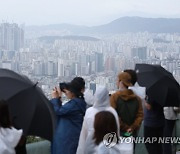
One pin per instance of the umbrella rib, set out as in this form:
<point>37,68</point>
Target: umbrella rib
<point>20,92</point>
<point>23,81</point>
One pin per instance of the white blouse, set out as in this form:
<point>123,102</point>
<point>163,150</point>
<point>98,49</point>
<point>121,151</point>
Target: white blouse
<point>9,138</point>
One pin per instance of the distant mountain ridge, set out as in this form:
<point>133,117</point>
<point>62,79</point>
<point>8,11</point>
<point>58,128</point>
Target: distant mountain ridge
<point>138,24</point>
<point>121,25</point>
<point>50,39</point>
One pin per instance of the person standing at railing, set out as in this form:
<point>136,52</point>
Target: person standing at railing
<point>105,129</point>
<point>170,114</point>
<point>128,106</point>
<point>9,136</point>
<point>101,103</point>
<point>70,118</point>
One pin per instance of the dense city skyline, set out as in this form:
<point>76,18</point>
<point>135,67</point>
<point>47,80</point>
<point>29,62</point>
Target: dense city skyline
<point>50,60</point>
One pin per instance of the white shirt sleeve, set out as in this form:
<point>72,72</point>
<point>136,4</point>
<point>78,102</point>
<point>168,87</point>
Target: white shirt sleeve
<point>11,137</point>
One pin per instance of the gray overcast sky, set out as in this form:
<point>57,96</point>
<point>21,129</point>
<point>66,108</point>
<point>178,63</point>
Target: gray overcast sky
<point>83,12</point>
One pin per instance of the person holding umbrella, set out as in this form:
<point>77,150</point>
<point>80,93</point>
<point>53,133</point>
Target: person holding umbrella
<point>28,106</point>
<point>163,91</point>
<point>153,111</point>
<point>153,125</point>
<point>70,118</point>
<point>170,114</point>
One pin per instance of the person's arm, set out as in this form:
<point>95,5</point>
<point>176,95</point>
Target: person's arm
<point>147,106</point>
<point>66,109</point>
<point>148,103</point>
<point>22,141</point>
<point>113,101</point>
<point>56,102</point>
<point>123,126</point>
<point>21,147</point>
<point>139,117</point>
<point>60,109</point>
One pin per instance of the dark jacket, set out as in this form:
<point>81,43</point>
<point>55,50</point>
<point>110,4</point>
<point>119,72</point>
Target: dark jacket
<point>155,116</point>
<point>70,119</point>
<point>129,109</point>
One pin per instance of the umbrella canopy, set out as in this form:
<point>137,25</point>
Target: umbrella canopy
<point>160,84</point>
<point>29,108</point>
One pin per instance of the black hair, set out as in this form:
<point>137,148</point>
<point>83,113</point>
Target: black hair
<point>80,81</point>
<point>5,120</point>
<point>76,86</point>
<point>133,75</point>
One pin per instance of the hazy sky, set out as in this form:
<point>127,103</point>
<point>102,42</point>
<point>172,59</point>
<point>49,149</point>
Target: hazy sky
<point>83,12</point>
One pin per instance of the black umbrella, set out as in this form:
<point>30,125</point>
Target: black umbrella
<point>160,84</point>
<point>29,108</point>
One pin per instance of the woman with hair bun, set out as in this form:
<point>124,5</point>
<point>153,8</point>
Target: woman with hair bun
<point>70,118</point>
